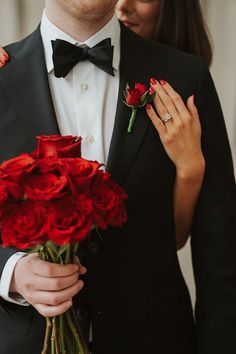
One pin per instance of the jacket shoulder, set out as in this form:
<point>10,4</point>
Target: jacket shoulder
<point>31,42</point>
<point>155,51</point>
<point>178,58</point>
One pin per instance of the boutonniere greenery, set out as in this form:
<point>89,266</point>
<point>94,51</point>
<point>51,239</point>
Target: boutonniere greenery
<point>136,98</point>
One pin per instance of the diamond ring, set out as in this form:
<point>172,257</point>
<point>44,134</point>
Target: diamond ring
<point>166,117</point>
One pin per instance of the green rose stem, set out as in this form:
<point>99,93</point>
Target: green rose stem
<point>61,333</point>
<point>52,343</point>
<point>53,340</point>
<point>132,119</point>
<point>69,344</point>
<point>81,335</point>
<point>46,339</point>
<point>63,330</point>
<point>75,333</point>
<point>55,335</point>
<point>68,254</point>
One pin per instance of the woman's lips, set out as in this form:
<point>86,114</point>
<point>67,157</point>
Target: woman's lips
<point>128,24</point>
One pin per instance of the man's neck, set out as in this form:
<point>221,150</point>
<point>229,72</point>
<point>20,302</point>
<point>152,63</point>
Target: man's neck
<point>79,29</point>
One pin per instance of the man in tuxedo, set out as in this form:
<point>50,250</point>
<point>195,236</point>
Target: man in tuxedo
<point>134,293</point>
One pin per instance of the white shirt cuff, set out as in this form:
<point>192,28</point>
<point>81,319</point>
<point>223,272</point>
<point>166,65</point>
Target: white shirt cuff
<point>5,281</point>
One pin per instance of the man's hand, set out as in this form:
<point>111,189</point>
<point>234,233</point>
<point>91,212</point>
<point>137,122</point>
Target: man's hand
<point>49,287</point>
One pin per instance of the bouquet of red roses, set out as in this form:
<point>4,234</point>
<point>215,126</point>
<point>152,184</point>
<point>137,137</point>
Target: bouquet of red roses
<point>50,200</point>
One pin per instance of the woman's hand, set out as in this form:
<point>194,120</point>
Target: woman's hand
<point>4,57</point>
<point>181,134</point>
<point>179,129</point>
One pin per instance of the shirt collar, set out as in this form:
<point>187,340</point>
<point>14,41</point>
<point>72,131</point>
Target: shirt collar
<point>50,32</point>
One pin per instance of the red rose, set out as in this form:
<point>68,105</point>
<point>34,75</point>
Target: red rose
<point>108,202</point>
<point>106,178</point>
<point>70,220</point>
<point>3,195</point>
<point>12,173</point>
<point>117,215</point>
<point>59,146</point>
<point>81,173</point>
<point>15,168</point>
<point>15,190</point>
<point>24,224</point>
<point>103,200</point>
<point>142,88</point>
<point>45,187</point>
<point>133,96</point>
<point>51,165</point>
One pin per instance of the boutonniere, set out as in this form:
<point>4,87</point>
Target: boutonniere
<point>136,98</point>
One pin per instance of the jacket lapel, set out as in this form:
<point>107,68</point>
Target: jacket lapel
<point>139,62</point>
<point>26,82</point>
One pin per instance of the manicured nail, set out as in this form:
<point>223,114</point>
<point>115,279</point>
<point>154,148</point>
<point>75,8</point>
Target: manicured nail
<point>2,63</point>
<point>162,82</point>
<point>148,106</point>
<point>153,81</point>
<point>151,90</point>
<point>6,57</point>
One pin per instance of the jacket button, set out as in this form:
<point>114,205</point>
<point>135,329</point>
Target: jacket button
<point>93,246</point>
<point>82,314</point>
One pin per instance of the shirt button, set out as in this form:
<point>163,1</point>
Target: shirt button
<point>90,139</point>
<point>84,86</point>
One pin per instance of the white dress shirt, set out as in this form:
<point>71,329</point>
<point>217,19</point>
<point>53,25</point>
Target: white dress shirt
<point>85,104</point>
<point>85,100</point>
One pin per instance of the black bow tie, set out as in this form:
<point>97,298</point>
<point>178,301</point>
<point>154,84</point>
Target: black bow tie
<point>66,56</point>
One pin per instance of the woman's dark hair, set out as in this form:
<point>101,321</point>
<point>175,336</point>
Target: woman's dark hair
<point>181,25</point>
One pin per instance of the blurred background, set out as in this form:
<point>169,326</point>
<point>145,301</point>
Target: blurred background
<point>20,17</point>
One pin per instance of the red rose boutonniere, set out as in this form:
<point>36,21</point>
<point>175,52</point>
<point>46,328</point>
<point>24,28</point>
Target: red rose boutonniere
<point>135,98</point>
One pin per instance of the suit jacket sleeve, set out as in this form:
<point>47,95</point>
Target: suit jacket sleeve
<point>8,136</point>
<point>7,130</point>
<point>5,254</point>
<point>214,230</point>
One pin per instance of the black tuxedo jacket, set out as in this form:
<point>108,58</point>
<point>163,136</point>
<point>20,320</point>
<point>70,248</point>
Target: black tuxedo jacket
<point>134,290</point>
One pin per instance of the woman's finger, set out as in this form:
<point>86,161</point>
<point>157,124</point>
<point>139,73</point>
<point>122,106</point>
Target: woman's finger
<point>192,108</point>
<point>176,99</point>
<point>164,115</point>
<point>163,102</point>
<point>160,127</point>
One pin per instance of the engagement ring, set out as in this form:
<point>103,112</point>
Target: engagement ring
<point>166,117</point>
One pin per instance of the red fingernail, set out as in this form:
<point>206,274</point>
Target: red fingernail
<point>151,90</point>
<point>162,82</point>
<point>2,63</point>
<point>148,106</point>
<point>153,81</point>
<point>6,57</point>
